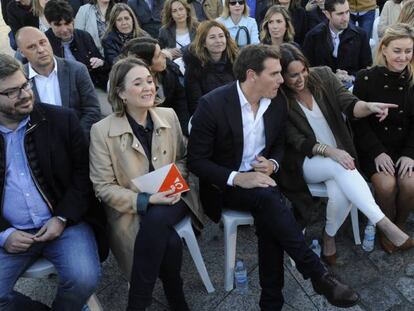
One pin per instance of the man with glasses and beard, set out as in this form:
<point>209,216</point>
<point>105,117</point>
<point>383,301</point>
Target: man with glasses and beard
<point>45,195</point>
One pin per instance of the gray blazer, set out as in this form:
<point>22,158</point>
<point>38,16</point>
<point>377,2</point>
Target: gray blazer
<point>86,20</point>
<point>76,91</point>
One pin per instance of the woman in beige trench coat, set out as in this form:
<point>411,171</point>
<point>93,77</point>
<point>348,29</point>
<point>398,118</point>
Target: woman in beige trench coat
<point>137,138</point>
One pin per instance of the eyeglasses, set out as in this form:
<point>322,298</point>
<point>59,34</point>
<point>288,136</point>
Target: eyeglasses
<point>16,92</point>
<point>240,2</point>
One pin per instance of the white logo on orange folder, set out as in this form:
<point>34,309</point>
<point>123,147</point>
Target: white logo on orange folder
<point>162,179</point>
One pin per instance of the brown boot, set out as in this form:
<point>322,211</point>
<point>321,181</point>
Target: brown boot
<point>407,245</point>
<point>386,244</point>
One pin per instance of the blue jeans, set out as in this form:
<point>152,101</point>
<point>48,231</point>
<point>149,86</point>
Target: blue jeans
<point>365,21</point>
<point>75,256</point>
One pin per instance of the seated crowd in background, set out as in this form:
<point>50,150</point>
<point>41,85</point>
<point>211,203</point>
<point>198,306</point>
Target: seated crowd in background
<point>263,86</point>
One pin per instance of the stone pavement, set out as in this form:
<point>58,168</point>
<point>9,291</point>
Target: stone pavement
<point>385,282</point>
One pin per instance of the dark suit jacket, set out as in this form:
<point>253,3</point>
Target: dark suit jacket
<point>57,153</point>
<point>354,52</point>
<point>77,91</point>
<point>148,18</point>
<point>215,147</point>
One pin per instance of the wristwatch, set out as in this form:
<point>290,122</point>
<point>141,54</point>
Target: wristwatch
<point>275,165</point>
<point>62,219</point>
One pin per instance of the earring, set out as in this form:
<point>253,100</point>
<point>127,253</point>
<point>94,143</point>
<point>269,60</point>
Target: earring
<point>124,101</point>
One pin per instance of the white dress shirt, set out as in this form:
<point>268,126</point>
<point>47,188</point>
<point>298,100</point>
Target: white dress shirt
<point>254,139</point>
<point>318,123</point>
<point>47,87</point>
<point>335,41</point>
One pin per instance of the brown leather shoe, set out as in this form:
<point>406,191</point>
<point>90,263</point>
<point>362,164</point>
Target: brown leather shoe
<point>406,245</point>
<point>386,244</point>
<point>337,293</point>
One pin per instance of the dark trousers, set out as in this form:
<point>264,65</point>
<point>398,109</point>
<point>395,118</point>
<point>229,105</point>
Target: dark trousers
<point>158,252</point>
<point>277,231</point>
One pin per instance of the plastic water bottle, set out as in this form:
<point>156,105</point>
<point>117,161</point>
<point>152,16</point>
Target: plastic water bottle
<point>369,237</point>
<point>240,278</point>
<point>316,248</point>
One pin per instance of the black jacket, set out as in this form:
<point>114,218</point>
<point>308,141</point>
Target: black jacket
<point>57,153</point>
<point>167,37</point>
<point>112,45</point>
<point>148,18</point>
<point>354,52</point>
<point>4,4</point>
<point>315,17</point>
<point>200,80</point>
<point>215,147</point>
<point>175,94</point>
<point>394,135</point>
<point>19,17</point>
<point>83,49</point>
<point>300,24</point>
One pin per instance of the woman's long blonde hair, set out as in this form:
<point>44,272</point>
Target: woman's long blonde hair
<point>395,32</point>
<point>407,13</point>
<point>264,30</point>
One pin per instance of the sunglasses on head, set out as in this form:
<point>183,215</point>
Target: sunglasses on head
<point>240,2</point>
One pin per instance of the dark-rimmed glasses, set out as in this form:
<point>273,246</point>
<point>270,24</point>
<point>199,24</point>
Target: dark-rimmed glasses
<point>16,92</point>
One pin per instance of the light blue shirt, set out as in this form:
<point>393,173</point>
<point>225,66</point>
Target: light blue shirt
<point>23,205</point>
<point>245,21</point>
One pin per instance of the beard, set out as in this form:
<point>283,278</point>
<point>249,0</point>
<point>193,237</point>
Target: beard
<point>19,110</point>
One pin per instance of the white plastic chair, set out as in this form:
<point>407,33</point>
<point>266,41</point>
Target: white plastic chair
<point>320,191</point>
<point>43,268</point>
<point>185,231</point>
<point>231,219</point>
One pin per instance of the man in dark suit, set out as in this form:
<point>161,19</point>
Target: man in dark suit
<point>46,195</point>
<point>338,44</point>
<point>58,81</point>
<point>235,147</point>
<point>148,13</point>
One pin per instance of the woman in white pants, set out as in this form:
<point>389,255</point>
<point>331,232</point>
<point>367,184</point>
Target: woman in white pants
<point>320,149</point>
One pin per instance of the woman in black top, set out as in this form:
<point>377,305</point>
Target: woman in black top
<point>208,61</point>
<point>386,149</point>
<point>123,26</point>
<point>179,26</point>
<point>167,75</point>
<point>298,14</point>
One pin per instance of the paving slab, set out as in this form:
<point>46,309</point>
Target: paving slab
<point>378,296</point>
<point>406,287</point>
